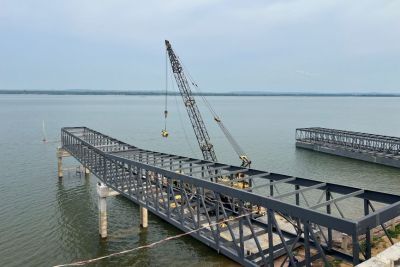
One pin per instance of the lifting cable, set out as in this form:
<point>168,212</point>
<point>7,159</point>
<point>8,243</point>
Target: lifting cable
<point>209,225</point>
<point>192,150</point>
<point>164,132</point>
<point>236,147</point>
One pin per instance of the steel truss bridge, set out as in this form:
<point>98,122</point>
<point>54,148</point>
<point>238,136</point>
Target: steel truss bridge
<point>363,146</point>
<point>280,218</point>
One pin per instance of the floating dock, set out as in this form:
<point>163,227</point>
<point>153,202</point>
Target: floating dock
<point>373,148</point>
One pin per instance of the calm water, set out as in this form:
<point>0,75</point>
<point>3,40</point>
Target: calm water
<point>44,221</point>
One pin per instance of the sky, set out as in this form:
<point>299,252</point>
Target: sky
<point>269,46</point>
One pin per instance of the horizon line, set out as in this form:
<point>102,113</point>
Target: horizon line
<point>160,92</point>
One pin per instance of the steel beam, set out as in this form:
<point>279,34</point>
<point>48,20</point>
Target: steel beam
<point>186,201</point>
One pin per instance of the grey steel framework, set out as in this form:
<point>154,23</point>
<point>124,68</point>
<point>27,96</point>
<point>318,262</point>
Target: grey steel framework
<point>179,190</point>
<point>200,130</point>
<point>363,146</point>
<point>196,120</point>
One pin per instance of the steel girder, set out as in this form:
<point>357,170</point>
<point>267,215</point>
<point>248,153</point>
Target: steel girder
<point>182,191</point>
<point>356,140</point>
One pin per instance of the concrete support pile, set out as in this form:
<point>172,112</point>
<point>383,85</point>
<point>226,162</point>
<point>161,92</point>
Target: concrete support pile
<point>102,192</point>
<point>60,154</point>
<point>143,217</point>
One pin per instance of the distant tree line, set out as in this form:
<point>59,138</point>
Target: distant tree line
<point>157,93</point>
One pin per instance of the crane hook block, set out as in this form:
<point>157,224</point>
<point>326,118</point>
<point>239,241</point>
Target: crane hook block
<point>245,161</point>
<point>164,133</point>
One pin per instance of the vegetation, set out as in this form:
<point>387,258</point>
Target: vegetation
<point>395,232</point>
<point>375,242</point>
<point>392,233</point>
<point>335,263</point>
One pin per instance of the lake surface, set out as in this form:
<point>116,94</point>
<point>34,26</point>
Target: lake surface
<point>46,221</point>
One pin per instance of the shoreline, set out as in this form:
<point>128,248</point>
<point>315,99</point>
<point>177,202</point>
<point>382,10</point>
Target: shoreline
<point>160,93</point>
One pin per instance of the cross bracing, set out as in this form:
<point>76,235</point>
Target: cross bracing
<point>362,141</point>
<point>190,193</point>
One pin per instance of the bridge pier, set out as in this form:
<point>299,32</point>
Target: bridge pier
<point>60,172</point>
<point>143,217</point>
<point>102,191</point>
<point>61,153</point>
<point>87,172</point>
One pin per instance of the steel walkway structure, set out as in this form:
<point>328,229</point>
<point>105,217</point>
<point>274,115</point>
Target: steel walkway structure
<point>362,146</point>
<point>290,218</point>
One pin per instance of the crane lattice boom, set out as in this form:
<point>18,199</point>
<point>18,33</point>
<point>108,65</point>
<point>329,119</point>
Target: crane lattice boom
<point>199,127</point>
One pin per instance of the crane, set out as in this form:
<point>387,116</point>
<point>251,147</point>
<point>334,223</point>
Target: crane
<point>200,130</point>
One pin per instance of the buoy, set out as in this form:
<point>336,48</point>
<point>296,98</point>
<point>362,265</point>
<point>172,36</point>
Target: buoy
<point>44,140</point>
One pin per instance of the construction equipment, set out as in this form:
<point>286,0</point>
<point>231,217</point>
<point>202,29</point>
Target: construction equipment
<point>195,117</point>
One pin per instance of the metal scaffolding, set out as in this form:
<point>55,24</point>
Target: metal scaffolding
<point>368,147</point>
<point>290,218</point>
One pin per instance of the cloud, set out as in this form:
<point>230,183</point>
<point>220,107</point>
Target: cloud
<point>226,44</point>
<point>147,21</point>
